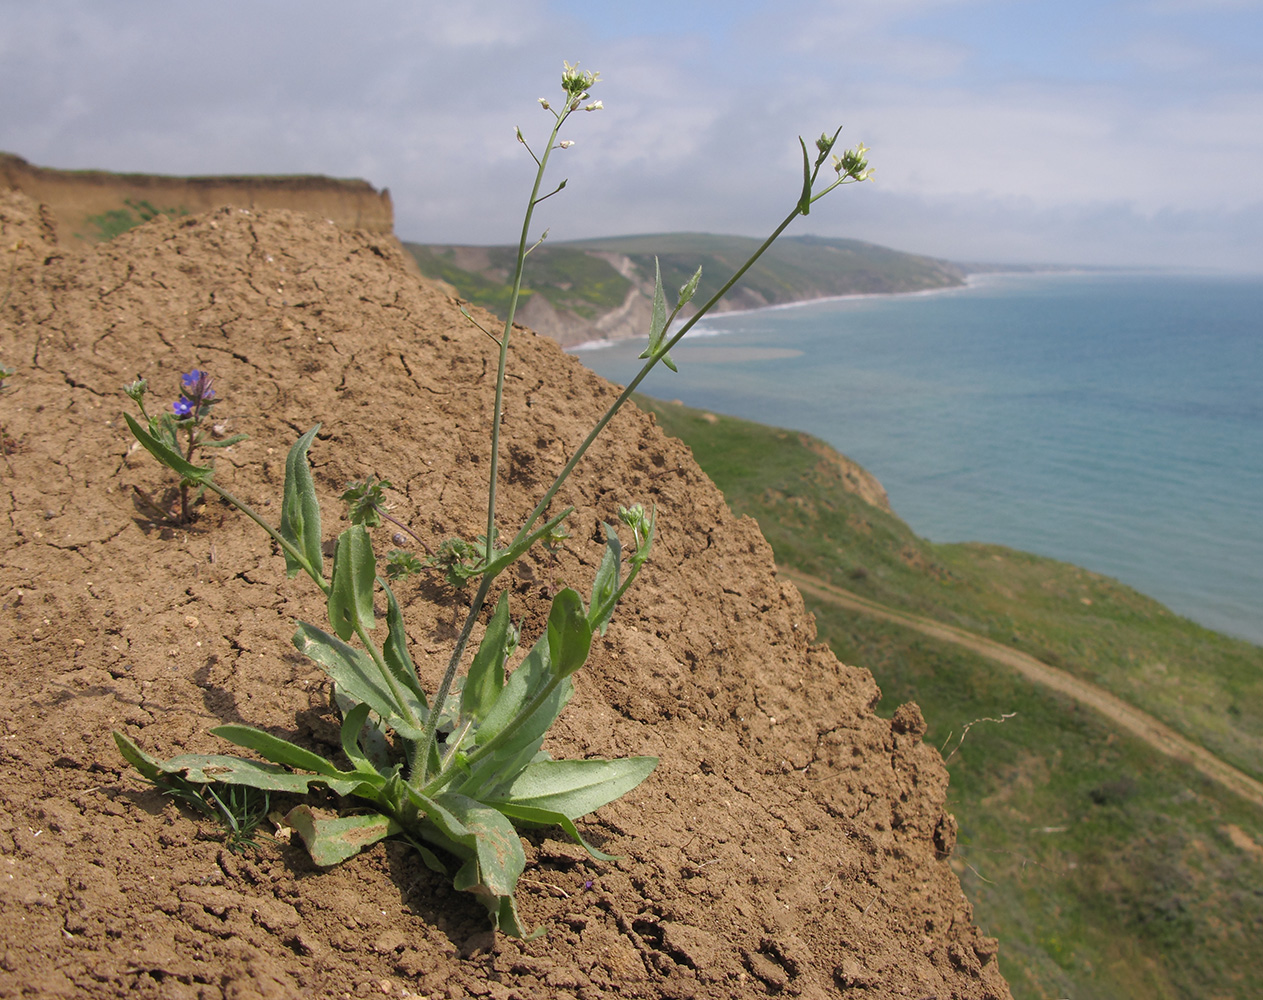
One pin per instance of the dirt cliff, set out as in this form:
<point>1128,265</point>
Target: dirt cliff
<point>90,205</point>
<point>790,843</point>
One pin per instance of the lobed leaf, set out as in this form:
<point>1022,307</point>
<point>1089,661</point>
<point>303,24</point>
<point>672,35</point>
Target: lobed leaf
<point>300,510</point>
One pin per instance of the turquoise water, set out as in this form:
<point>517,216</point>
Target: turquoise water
<point>1110,420</point>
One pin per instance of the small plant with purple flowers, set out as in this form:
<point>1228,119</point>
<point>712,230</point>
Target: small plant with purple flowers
<point>183,431</point>
<point>456,773</point>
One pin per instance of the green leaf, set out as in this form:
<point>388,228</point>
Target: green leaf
<point>277,750</point>
<point>355,674</point>
<point>168,456</point>
<point>485,680</point>
<point>370,740</point>
<point>515,551</point>
<point>353,723</point>
<point>689,289</point>
<point>658,321</point>
<point>525,683</point>
<point>398,659</point>
<point>605,586</point>
<point>330,841</point>
<point>569,634</point>
<point>300,510</point>
<point>492,873</point>
<point>141,761</point>
<point>575,788</point>
<point>208,768</point>
<point>531,817</point>
<point>351,590</point>
<point>804,200</point>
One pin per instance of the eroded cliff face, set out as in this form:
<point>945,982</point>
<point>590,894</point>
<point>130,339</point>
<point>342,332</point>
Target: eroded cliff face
<point>790,843</point>
<point>90,205</point>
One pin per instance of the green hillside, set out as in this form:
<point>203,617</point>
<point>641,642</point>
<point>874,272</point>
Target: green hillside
<point>1105,868</point>
<point>582,277</point>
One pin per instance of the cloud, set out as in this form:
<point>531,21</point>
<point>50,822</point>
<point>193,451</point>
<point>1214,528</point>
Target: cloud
<point>1004,125</point>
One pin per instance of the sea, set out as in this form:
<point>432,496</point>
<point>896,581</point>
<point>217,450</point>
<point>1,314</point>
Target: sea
<point>1108,419</point>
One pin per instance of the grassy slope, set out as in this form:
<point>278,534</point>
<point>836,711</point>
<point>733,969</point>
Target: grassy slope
<point>1105,869</point>
<point>571,277</point>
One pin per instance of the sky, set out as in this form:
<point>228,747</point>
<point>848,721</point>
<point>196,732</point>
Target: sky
<point>1034,131</point>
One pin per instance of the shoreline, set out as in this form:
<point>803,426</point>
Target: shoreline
<point>971,280</point>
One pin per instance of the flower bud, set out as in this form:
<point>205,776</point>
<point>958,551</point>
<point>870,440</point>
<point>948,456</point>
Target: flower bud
<point>543,101</point>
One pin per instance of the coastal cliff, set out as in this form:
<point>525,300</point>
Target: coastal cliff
<point>88,206</point>
<point>602,289</point>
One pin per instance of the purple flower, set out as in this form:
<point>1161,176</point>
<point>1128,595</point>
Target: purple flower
<point>197,385</point>
<point>182,407</point>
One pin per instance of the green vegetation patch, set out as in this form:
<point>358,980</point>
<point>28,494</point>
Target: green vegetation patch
<point>571,280</point>
<point>1105,869</point>
<point>117,221</point>
<point>1206,685</point>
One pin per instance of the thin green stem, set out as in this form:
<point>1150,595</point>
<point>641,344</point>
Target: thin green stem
<point>648,367</point>
<point>480,753</point>
<point>275,535</point>
<point>445,686</point>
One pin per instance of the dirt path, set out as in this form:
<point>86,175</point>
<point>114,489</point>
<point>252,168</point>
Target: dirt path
<point>1149,729</point>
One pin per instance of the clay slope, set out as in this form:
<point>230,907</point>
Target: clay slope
<point>791,842</point>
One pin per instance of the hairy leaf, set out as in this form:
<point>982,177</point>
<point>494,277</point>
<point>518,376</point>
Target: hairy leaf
<point>575,788</point>
<point>351,590</point>
<point>605,586</point>
<point>485,680</point>
<point>168,456</point>
<point>300,510</point>
<point>330,841</point>
<point>355,674</point>
<point>569,633</point>
<point>398,659</point>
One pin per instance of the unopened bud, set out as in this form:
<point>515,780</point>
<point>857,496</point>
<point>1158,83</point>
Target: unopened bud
<point>594,106</point>
<point>543,101</point>
<point>566,143</point>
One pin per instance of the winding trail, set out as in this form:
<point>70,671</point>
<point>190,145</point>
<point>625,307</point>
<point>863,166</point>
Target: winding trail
<point>1157,734</point>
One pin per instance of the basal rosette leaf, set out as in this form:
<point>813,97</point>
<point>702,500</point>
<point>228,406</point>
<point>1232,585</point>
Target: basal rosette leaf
<point>331,840</point>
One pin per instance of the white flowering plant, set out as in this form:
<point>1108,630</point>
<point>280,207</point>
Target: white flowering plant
<point>456,773</point>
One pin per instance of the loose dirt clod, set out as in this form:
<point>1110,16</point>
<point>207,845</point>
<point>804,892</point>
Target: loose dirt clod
<point>805,856</point>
